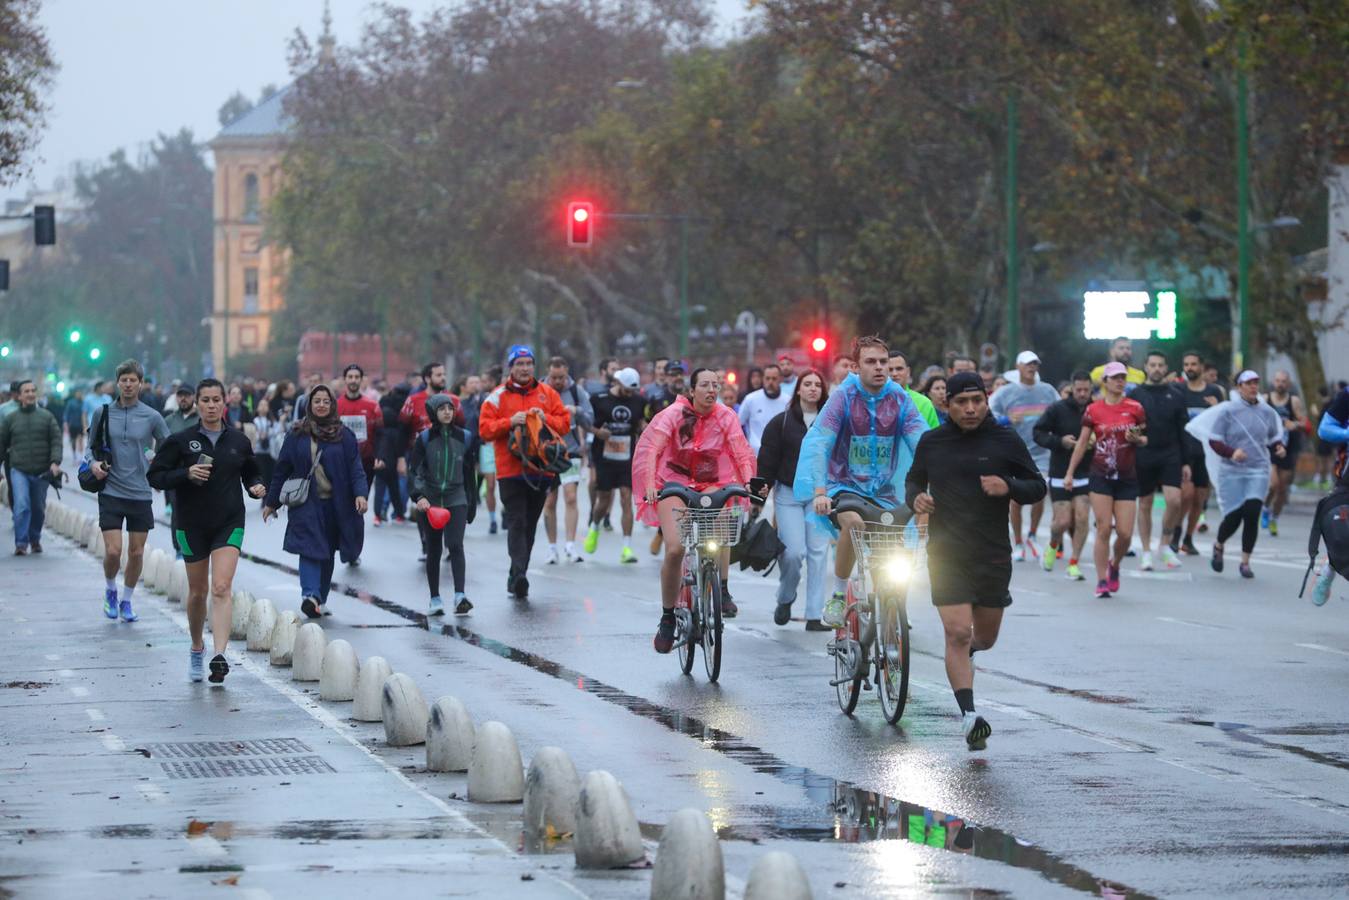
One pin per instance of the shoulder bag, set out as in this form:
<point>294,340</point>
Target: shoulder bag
<point>295,491</point>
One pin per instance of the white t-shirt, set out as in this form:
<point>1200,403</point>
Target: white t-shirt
<point>755,411</point>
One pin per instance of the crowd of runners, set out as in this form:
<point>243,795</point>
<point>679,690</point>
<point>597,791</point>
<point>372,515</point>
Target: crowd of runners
<point>971,451</point>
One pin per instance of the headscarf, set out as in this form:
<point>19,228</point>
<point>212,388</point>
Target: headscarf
<point>328,429</point>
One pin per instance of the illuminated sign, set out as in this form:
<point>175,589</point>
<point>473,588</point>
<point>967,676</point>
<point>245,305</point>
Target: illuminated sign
<point>1107,315</point>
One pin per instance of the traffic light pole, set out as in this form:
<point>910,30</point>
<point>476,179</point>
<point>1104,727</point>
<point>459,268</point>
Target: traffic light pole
<point>1243,348</point>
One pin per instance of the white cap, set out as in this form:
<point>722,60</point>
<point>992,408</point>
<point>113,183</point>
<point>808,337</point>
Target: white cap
<point>1248,375</point>
<point>628,377</point>
<point>1026,356</point>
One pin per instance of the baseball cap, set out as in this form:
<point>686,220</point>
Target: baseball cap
<point>1114,368</point>
<point>184,389</point>
<point>519,351</point>
<point>675,367</point>
<point>1248,375</point>
<point>628,377</point>
<point>963,382</point>
<point>1026,356</point>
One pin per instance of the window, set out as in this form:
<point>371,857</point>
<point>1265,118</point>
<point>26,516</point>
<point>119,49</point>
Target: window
<point>251,289</point>
<point>252,204</point>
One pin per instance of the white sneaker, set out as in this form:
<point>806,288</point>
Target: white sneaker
<point>1170,559</point>
<point>1146,564</point>
<point>1019,554</point>
<point>552,556</point>
<point>835,609</point>
<point>1321,590</point>
<point>976,731</point>
<point>436,607</point>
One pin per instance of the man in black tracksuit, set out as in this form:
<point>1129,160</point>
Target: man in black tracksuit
<point>964,475</point>
<point>1058,429</point>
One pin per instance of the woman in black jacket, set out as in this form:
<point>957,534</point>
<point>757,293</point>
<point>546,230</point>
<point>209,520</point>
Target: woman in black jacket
<point>777,465</point>
<point>442,473</point>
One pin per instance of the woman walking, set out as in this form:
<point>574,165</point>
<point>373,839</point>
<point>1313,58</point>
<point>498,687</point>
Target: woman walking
<point>781,443</point>
<point>324,452</point>
<point>443,475</point>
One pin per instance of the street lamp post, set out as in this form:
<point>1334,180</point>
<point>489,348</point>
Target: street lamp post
<point>1243,225</point>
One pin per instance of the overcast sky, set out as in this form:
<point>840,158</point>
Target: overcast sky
<point>131,69</point>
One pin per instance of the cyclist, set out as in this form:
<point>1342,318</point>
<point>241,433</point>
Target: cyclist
<point>695,442</point>
<point>964,476</point>
<point>861,443</point>
<point>1058,429</point>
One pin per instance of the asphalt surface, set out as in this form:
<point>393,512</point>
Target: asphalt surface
<point>1185,737</point>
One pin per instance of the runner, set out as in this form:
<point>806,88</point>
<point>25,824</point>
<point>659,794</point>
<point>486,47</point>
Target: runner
<point>1122,352</point>
<point>362,415</point>
<point>1334,431</point>
<point>695,442</point>
<point>1058,430</point>
<point>577,401</point>
<point>442,476</point>
<point>1293,415</point>
<point>134,431</point>
<point>901,374</point>
<point>74,422</point>
<point>522,494</point>
<point>184,415</point>
<point>204,466</point>
<point>1245,433</point>
<point>1325,451</point>
<point>30,452</point>
<point>963,477</point>
<point>618,419</point>
<point>1021,403</point>
<point>862,443</point>
<point>487,461</point>
<point>1161,463</point>
<point>1116,423</point>
<point>762,405</point>
<point>1199,396</point>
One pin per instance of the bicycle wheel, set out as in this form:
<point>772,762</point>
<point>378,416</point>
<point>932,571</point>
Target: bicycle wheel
<point>709,611</point>
<point>891,652</point>
<point>686,629</point>
<point>847,659</point>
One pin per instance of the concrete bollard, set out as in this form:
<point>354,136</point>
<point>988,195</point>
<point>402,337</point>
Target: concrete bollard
<point>370,690</point>
<point>97,548</point>
<point>338,674</point>
<point>306,659</point>
<point>449,737</point>
<point>496,774</point>
<point>261,622</point>
<point>283,637</point>
<point>405,712</point>
<point>153,560</point>
<point>178,589</point>
<point>243,605</point>
<point>87,527</point>
<point>165,572</point>
<point>777,876</point>
<point>688,861</point>
<point>607,836</point>
<point>552,790</point>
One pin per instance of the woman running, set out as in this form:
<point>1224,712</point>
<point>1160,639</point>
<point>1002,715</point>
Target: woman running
<point>1115,424</point>
<point>442,474</point>
<point>695,442</point>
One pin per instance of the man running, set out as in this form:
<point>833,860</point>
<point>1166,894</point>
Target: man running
<point>674,389</point>
<point>1058,430</point>
<point>1161,464</point>
<point>901,374</point>
<point>1293,415</point>
<point>134,431</point>
<point>1199,396</point>
<point>577,401</point>
<point>1021,403</point>
<point>363,416</point>
<point>964,476</point>
<point>30,452</point>
<point>1122,352</point>
<point>1333,429</point>
<point>618,419</point>
<point>761,405</point>
<point>204,466</point>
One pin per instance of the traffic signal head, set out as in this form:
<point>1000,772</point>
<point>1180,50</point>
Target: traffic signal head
<point>580,218</point>
<point>819,344</point>
<point>74,335</point>
<point>95,353</point>
<point>4,350</point>
<point>4,274</point>
<point>44,225</point>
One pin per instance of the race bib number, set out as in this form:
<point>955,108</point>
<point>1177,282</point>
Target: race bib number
<point>573,474</point>
<point>618,447</point>
<point>865,452</point>
<point>357,426</point>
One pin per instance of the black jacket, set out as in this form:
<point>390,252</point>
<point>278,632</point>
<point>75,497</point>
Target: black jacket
<point>218,501</point>
<point>444,468</point>
<point>780,447</point>
<point>968,526</point>
<point>1063,417</point>
<point>1167,417</point>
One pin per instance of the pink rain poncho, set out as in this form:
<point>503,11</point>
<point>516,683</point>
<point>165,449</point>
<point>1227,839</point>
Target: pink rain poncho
<point>716,455</point>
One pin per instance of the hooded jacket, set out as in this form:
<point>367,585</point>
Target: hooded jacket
<point>494,419</point>
<point>444,464</point>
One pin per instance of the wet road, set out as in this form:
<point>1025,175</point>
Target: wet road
<point>1185,737</point>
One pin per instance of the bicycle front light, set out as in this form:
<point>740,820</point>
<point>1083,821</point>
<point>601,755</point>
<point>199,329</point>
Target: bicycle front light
<point>899,569</point>
<point>712,546</point>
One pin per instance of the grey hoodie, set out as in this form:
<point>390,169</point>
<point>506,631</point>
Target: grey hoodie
<point>133,434</point>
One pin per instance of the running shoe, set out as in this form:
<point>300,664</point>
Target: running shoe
<point>782,613</point>
<point>1051,555</point>
<point>1112,578</point>
<point>462,606</point>
<point>492,529</point>
<point>1203,524</point>
<point>1245,570</point>
<point>1264,517</point>
<point>976,730</point>
<point>1273,528</point>
<point>1032,547</point>
<point>1103,588</point>
<point>377,521</point>
<point>627,556</point>
<point>1019,554</point>
<point>592,542</point>
<point>728,607</point>
<point>1321,590</point>
<point>124,608</point>
<point>1146,564</point>
<point>1217,561</point>
<point>608,526</point>
<point>1187,546</point>
<point>552,556</point>
<point>1175,539</point>
<point>110,603</point>
<point>196,664</point>
<point>1170,559</point>
<point>834,610</point>
<point>665,634</point>
<point>311,607</point>
<point>520,588</point>
<point>1075,572</point>
<point>436,607</point>
<point>219,669</point>
<point>35,547</point>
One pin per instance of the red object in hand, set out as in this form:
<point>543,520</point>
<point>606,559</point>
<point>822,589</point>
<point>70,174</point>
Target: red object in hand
<point>438,517</point>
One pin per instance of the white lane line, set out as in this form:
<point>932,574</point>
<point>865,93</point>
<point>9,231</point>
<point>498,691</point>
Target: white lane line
<point>53,657</point>
<point>95,715</point>
<point>113,743</point>
<point>79,690</point>
<point>1190,624</point>
<point>66,673</point>
<point>1324,649</point>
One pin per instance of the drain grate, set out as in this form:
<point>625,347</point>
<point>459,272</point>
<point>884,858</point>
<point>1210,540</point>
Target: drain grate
<point>206,749</point>
<point>243,768</point>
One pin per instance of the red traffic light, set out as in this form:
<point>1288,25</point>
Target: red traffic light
<point>580,216</point>
<point>819,344</point>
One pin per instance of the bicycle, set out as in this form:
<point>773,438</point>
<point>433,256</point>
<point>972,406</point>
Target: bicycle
<point>707,527</point>
<point>889,548</point>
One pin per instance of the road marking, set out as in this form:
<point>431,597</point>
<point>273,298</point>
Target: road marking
<point>1324,649</point>
<point>206,845</point>
<point>79,690</point>
<point>114,743</point>
<point>1189,623</point>
<point>66,673</point>
<point>53,657</point>
<point>95,715</point>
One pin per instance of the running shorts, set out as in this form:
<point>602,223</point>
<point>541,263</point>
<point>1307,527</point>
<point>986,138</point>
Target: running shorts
<point>1199,471</point>
<point>487,459</point>
<point>571,476</point>
<point>982,584</point>
<point>1119,488</point>
<point>611,475</point>
<point>1159,472</point>
<point>139,515</point>
<point>1058,495</point>
<point>197,544</point>
<point>1289,461</point>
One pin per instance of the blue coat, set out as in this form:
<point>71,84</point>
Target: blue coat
<point>305,532</point>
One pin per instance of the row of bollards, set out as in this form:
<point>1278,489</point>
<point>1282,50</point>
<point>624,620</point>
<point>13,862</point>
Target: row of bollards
<point>595,812</point>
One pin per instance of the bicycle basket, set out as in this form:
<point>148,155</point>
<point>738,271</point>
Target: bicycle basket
<point>878,545</point>
<point>700,527</point>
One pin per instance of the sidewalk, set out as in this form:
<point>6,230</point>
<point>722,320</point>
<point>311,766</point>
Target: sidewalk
<point>121,778</point>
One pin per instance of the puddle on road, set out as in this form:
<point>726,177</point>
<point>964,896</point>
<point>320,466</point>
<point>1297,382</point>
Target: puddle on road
<point>846,812</point>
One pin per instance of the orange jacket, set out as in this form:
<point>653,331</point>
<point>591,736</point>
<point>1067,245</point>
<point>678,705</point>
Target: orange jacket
<point>494,419</point>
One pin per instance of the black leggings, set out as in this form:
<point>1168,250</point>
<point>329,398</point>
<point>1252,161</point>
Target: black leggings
<point>451,537</point>
<point>1247,515</point>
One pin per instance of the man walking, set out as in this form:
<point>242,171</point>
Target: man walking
<point>902,374</point>
<point>1022,402</point>
<point>30,451</point>
<point>133,431</point>
<point>1161,463</point>
<point>1058,431</point>
<point>761,405</point>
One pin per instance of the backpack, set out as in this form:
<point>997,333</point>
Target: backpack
<point>1331,524</point>
<point>540,450</point>
<point>759,547</point>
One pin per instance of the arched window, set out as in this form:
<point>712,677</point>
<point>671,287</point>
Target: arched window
<point>252,204</point>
